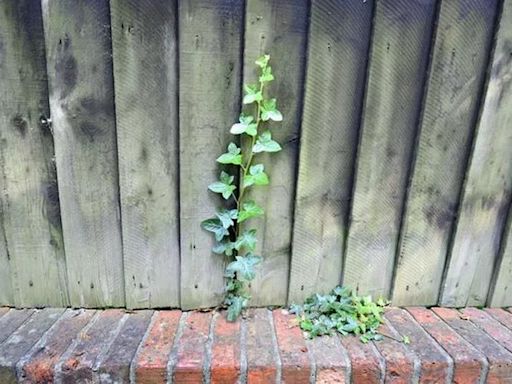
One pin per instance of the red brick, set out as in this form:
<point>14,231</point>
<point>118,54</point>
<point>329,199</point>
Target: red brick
<point>225,363</point>
<point>331,360</point>
<point>79,365</point>
<point>295,364</point>
<point>365,360</point>
<point>40,367</point>
<point>115,366</point>
<point>402,365</point>
<point>500,360</point>
<point>152,358</point>
<point>12,320</point>
<point>436,364</point>
<point>191,352</point>
<point>490,325</point>
<point>504,317</point>
<point>469,364</point>
<point>261,361</point>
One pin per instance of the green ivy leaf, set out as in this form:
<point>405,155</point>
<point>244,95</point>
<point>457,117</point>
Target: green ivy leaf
<point>269,111</point>
<point>266,75</point>
<point>262,61</point>
<point>249,209</point>
<point>246,125</point>
<point>232,156</point>
<point>215,225</point>
<point>235,307</point>
<point>266,144</point>
<point>225,247</point>
<point>256,176</point>
<point>226,216</point>
<point>252,94</point>
<point>223,186</point>
<point>247,240</point>
<point>243,266</point>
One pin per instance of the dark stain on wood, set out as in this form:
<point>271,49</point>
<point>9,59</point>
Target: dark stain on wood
<point>20,124</point>
<point>90,130</point>
<point>52,203</point>
<point>66,68</point>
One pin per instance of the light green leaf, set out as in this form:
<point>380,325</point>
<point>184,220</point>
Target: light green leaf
<point>243,266</point>
<point>246,125</point>
<point>226,216</point>
<point>266,75</point>
<point>269,111</point>
<point>253,94</point>
<point>262,61</point>
<point>235,307</point>
<point>232,156</point>
<point>247,240</point>
<point>256,176</point>
<point>225,247</point>
<point>266,144</point>
<point>215,225</point>
<point>223,186</point>
<point>249,209</point>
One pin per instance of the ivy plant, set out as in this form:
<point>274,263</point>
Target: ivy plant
<point>235,242</point>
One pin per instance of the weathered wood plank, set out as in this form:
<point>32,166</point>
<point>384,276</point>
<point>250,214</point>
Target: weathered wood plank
<point>82,108</point>
<point>398,63</point>
<point>461,50</point>
<point>487,190</point>
<point>339,37</point>
<point>6,296</point>
<point>146,89</point>
<point>499,295</point>
<point>278,28</point>
<point>31,214</point>
<point>210,37</point>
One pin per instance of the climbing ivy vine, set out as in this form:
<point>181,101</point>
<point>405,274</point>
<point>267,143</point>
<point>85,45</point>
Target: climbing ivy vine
<point>238,244</point>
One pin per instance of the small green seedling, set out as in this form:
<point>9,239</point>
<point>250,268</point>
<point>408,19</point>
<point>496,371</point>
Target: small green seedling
<point>236,243</point>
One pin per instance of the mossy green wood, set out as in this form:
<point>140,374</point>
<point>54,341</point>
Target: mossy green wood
<point>487,191</point>
<point>278,28</point>
<point>398,64</point>
<point>30,195</point>
<point>337,52</point>
<point>210,41</point>
<point>460,56</point>
<point>79,65</point>
<point>146,88</point>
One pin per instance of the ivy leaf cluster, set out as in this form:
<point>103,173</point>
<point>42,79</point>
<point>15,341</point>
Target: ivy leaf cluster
<point>343,312</point>
<point>238,244</point>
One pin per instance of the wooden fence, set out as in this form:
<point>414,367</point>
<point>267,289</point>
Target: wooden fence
<point>395,178</point>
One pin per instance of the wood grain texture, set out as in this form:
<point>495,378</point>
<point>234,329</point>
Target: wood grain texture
<point>146,89</point>
<point>338,43</point>
<point>6,296</point>
<point>31,214</point>
<point>79,65</point>
<point>279,29</point>
<point>398,63</point>
<point>460,57</point>
<point>210,38</point>
<point>488,186</point>
<point>499,294</point>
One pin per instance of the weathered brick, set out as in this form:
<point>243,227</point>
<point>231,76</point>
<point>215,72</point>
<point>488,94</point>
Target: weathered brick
<point>469,364</point>
<point>115,367</point>
<point>153,355</point>
<point>331,360</point>
<point>504,317</point>
<point>40,366</point>
<point>365,361</point>
<point>225,363</point>
<point>500,360</point>
<point>402,365</point>
<point>295,364</point>
<point>22,340</point>
<point>191,354</point>
<point>490,325</point>
<point>12,320</point>
<point>78,366</point>
<point>261,360</point>
<point>436,364</point>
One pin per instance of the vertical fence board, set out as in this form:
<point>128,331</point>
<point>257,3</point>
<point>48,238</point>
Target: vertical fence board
<point>488,185</point>
<point>398,63</point>
<point>210,37</point>
<point>81,104</point>
<point>6,295</point>
<point>458,67</point>
<point>336,68</point>
<point>279,29</point>
<point>499,294</point>
<point>146,89</point>
<point>31,200</point>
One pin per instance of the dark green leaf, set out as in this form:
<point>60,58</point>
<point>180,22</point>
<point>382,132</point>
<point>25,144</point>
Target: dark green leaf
<point>235,307</point>
<point>224,247</point>
<point>223,186</point>
<point>226,216</point>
